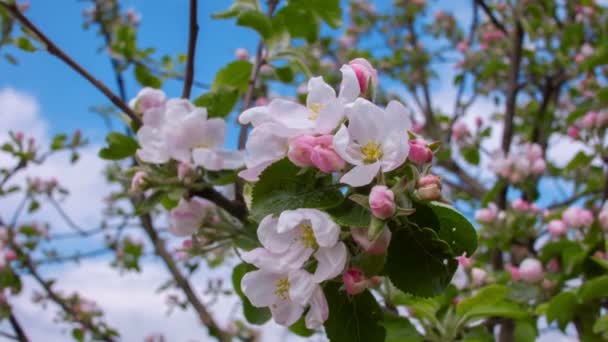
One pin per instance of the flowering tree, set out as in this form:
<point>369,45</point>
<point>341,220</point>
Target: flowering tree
<point>337,207</point>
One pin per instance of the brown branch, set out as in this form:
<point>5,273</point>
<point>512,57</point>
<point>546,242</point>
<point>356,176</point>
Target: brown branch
<point>192,35</point>
<point>21,336</point>
<point>259,61</point>
<point>492,17</point>
<point>181,281</point>
<point>54,50</point>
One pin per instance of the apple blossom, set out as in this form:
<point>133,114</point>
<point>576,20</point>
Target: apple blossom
<point>553,265</point>
<point>514,271</point>
<point>307,150</point>
<point>531,270</point>
<point>464,261</point>
<point>190,215</point>
<point>183,170</point>
<point>577,218</point>
<point>242,54</point>
<point>355,281</point>
<point>557,228</point>
<point>487,215</point>
<point>382,202</point>
<point>289,240</point>
<point>429,188</point>
<point>375,140</point>
<point>375,247</point>
<point>520,205</point>
<point>573,132</point>
<point>460,130</point>
<point>287,294</point>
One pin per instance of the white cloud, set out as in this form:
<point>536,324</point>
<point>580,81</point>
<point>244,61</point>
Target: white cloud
<point>20,112</point>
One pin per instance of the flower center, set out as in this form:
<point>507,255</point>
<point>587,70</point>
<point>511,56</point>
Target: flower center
<point>282,288</point>
<point>307,236</point>
<point>371,151</point>
<point>315,109</point>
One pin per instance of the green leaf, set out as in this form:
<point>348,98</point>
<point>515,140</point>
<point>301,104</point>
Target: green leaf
<point>486,296</point>
<point>237,7</point>
<point>400,329</point>
<point>223,177</point>
<point>601,325</point>
<point>471,155</point>
<point>219,102</point>
<point>257,21</point>
<point>352,319</point>
<point>328,10</point>
<point>593,289</point>
<point>285,74</point>
<point>25,44</point>
<point>300,21</point>
<point>299,328</point>
<point>58,142</point>
<point>252,314</point>
<point>281,188</point>
<point>525,331</point>
<point>579,160</point>
<point>500,309</point>
<point>428,260</point>
<point>491,194</point>
<point>350,214</point>
<point>235,74</point>
<point>120,146</point>
<point>455,229</point>
<point>561,308</point>
<point>478,334</point>
<point>145,77</point>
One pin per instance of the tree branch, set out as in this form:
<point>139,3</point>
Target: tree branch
<point>192,36</point>
<point>21,336</point>
<point>57,52</point>
<point>181,281</point>
<point>492,17</point>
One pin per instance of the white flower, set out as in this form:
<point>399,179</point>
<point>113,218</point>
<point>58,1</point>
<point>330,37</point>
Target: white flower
<point>287,294</point>
<point>180,131</point>
<point>374,140</point>
<point>290,240</point>
<point>190,215</point>
<point>146,99</point>
<point>265,145</point>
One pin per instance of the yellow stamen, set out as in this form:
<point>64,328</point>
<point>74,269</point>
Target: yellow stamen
<point>372,152</point>
<point>307,235</point>
<point>315,109</point>
<point>282,288</point>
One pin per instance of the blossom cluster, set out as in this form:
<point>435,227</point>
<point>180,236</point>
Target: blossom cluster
<point>524,162</point>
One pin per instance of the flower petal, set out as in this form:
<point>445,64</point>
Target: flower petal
<point>271,238</point>
<point>153,147</point>
<point>213,133</point>
<point>349,88</point>
<point>325,229</point>
<point>361,175</point>
<point>291,259</point>
<point>397,117</point>
<point>216,160</point>
<point>331,262</point>
<point>319,310</point>
<point>395,148</point>
<point>343,147</point>
<point>365,122</point>
<point>319,92</point>
<point>301,286</point>
<point>285,312</point>
<point>259,287</point>
<point>330,116</point>
<point>290,219</point>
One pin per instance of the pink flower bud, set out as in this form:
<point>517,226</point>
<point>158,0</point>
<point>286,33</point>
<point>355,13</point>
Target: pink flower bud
<point>464,261</point>
<point>520,205</point>
<point>514,271</point>
<point>261,101</point>
<point>429,188</point>
<point>138,181</point>
<point>478,275</point>
<point>463,46</point>
<point>300,149</point>
<point>242,54</point>
<point>418,127</point>
<point>382,202</point>
<point>354,281</point>
<point>366,74</point>
<point>573,132</point>
<point>183,170</point>
<point>487,215</point>
<point>420,153</point>
<point>19,136</point>
<point>577,217</point>
<point>557,228</point>
<point>531,270</point>
<point>10,255</point>
<point>190,215</point>
<point>146,99</point>
<point>376,247</point>
<point>588,121</point>
<point>187,244</point>
<point>553,265</point>
<point>324,157</point>
<point>539,166</point>
<point>460,130</point>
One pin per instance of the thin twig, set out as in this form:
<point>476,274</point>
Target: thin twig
<point>21,336</point>
<point>192,35</point>
<point>54,50</point>
<point>492,17</point>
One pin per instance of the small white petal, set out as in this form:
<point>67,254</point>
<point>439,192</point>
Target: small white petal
<point>285,312</point>
<point>216,160</point>
<point>271,238</point>
<point>397,117</point>
<point>252,174</point>
<point>342,145</point>
<point>213,133</point>
<point>325,229</point>
<point>301,286</point>
<point>395,148</point>
<point>290,219</point>
<point>259,286</point>
<point>361,175</point>
<point>291,259</point>
<point>349,88</point>
<point>365,122</point>
<point>255,116</point>
<point>330,116</point>
<point>319,310</point>
<point>319,92</point>
<point>331,262</point>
